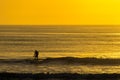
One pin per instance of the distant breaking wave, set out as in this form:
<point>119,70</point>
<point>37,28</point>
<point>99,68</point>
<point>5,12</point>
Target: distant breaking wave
<point>64,61</point>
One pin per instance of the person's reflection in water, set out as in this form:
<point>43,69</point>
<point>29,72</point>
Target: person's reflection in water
<point>36,54</point>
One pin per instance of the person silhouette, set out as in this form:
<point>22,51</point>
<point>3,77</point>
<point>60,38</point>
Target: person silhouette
<point>36,54</point>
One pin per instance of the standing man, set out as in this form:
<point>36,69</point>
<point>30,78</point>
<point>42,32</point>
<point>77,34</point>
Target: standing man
<point>36,54</point>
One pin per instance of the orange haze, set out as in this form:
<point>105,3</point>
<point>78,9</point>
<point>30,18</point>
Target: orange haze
<point>60,12</point>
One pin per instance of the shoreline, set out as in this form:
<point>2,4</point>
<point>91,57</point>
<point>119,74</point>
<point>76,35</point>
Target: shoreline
<point>69,76</point>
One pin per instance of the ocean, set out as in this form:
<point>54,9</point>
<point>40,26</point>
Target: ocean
<point>19,43</point>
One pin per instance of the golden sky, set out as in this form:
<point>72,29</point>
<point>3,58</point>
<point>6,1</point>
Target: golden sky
<point>60,12</point>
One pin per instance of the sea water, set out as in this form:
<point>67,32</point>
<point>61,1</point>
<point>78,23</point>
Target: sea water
<point>19,42</point>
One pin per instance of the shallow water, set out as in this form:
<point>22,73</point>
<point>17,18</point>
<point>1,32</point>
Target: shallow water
<point>57,67</point>
<point>19,42</point>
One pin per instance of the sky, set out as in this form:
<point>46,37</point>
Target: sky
<point>59,12</point>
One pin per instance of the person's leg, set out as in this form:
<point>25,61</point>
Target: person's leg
<point>37,58</point>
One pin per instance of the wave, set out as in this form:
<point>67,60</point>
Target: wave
<point>64,61</point>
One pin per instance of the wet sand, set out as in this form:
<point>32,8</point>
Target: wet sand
<point>57,76</point>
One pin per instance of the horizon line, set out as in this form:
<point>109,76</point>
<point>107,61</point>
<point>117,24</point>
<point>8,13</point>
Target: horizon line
<point>55,25</point>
